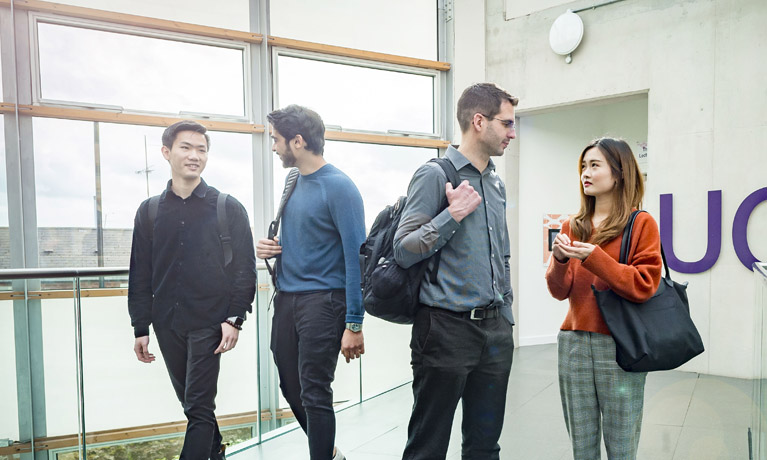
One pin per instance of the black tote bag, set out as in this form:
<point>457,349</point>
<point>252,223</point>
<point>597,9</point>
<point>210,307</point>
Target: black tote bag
<point>655,335</point>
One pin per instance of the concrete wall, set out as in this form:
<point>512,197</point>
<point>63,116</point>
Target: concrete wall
<point>702,66</point>
<point>550,144</point>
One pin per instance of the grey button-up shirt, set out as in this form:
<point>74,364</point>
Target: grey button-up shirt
<point>474,266</point>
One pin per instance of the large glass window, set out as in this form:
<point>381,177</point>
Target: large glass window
<point>65,179</point>
<point>132,168</point>
<point>403,27</point>
<point>99,68</point>
<point>65,184</point>
<point>380,172</point>
<point>358,98</point>
<point>234,16</point>
<point>230,167</point>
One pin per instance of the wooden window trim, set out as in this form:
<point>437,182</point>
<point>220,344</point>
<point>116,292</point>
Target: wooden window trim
<point>124,118</point>
<point>225,126</point>
<point>133,20</point>
<point>356,53</point>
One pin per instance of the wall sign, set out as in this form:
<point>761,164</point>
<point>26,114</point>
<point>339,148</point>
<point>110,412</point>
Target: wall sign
<point>714,246</point>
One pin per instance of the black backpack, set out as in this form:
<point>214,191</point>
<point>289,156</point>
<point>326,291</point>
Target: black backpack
<point>223,227</point>
<point>389,291</point>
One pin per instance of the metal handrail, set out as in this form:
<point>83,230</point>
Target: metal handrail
<point>81,272</point>
<point>43,273</point>
<point>76,274</point>
<point>760,268</point>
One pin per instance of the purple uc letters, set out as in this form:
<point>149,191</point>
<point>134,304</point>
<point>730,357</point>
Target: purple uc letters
<point>739,231</point>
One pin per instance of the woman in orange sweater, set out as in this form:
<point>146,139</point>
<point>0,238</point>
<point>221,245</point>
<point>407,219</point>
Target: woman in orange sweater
<point>596,393</point>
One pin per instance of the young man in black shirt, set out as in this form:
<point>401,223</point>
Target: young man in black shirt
<point>184,285</point>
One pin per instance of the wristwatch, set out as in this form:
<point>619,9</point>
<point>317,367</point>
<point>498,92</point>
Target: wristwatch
<point>235,321</point>
<point>354,327</point>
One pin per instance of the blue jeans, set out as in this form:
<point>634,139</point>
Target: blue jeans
<point>193,370</point>
<point>306,340</point>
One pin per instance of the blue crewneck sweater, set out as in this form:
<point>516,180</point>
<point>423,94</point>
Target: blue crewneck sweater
<point>322,229</point>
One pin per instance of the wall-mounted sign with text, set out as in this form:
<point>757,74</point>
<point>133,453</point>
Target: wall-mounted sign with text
<point>714,247</point>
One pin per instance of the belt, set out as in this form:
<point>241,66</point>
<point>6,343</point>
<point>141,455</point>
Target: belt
<point>476,314</point>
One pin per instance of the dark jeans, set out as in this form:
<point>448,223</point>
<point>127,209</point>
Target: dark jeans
<point>193,370</point>
<point>455,358</point>
<point>306,340</point>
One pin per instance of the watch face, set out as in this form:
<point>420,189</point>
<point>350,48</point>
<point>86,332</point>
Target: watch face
<point>239,321</point>
<point>354,327</point>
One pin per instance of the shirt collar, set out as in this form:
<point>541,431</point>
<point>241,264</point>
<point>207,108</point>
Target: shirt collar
<point>200,191</point>
<point>459,161</point>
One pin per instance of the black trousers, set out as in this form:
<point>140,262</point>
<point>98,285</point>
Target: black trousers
<point>306,340</point>
<point>193,370</point>
<point>455,358</point>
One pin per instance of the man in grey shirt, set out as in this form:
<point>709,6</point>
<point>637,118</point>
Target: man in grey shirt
<point>462,343</point>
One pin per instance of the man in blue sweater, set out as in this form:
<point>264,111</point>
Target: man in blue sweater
<point>318,307</point>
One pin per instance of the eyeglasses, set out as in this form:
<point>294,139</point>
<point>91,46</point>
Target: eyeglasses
<point>508,124</point>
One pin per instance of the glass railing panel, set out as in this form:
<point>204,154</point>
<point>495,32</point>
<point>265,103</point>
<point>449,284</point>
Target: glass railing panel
<point>123,394</point>
<point>59,362</point>
<point>386,363</point>
<point>237,403</point>
<point>346,386</point>
<point>759,413</point>
<point>130,407</point>
<point>9,422</point>
<point>111,369</point>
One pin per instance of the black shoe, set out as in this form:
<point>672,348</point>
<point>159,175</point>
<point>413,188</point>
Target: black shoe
<point>220,455</point>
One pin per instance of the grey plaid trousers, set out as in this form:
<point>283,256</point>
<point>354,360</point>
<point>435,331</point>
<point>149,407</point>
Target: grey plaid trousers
<point>598,395</point>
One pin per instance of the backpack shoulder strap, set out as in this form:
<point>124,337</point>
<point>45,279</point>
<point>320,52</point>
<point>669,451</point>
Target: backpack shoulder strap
<point>274,227</point>
<point>154,205</point>
<point>452,176</point>
<point>223,228</point>
<point>450,172</point>
<point>290,184</point>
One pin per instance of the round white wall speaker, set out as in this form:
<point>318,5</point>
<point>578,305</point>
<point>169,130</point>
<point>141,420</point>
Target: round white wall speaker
<point>566,33</point>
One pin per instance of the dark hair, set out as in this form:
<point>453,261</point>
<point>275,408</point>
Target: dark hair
<point>629,191</point>
<point>170,133</point>
<point>484,98</point>
<point>293,120</point>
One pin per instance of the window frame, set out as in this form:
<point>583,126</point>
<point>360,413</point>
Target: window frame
<point>47,18</point>
<point>436,75</point>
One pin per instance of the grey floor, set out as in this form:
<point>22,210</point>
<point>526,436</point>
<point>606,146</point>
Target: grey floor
<point>687,416</point>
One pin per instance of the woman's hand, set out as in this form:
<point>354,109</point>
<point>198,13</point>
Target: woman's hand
<point>561,240</point>
<point>577,250</point>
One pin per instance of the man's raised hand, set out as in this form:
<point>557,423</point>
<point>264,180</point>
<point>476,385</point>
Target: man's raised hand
<point>462,201</point>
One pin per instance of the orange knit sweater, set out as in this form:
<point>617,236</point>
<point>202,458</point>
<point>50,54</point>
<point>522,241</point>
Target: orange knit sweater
<point>636,281</point>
